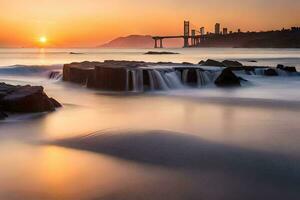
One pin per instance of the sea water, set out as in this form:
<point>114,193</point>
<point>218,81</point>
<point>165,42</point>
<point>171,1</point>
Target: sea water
<point>203,143</point>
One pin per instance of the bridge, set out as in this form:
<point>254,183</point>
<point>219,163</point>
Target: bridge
<point>195,39</point>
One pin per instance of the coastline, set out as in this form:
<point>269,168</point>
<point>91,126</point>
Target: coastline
<point>124,136</point>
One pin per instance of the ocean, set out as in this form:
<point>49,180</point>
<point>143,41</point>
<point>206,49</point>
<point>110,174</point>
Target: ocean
<point>201,143</point>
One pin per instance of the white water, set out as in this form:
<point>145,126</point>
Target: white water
<point>173,80</point>
<point>255,128</point>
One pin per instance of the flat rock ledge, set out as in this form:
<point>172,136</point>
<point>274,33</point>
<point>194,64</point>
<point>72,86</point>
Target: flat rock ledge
<point>24,99</point>
<point>160,53</point>
<point>139,76</point>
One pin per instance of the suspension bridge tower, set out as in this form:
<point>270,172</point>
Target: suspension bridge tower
<point>186,33</point>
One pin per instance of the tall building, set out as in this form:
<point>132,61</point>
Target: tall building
<point>217,28</point>
<point>193,33</point>
<point>202,31</point>
<point>186,33</point>
<point>225,31</point>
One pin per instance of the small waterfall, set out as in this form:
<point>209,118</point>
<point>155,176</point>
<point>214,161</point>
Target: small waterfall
<point>196,77</point>
<point>173,80</point>
<point>139,80</point>
<point>203,77</point>
<point>134,80</point>
<point>159,79</point>
<point>259,71</point>
<point>55,75</point>
<point>151,80</point>
<point>282,72</point>
<point>185,76</point>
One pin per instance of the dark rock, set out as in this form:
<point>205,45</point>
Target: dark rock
<point>187,63</point>
<point>164,63</point>
<point>6,89</point>
<point>146,80</point>
<point>227,79</point>
<point>71,74</point>
<point>270,72</point>
<point>55,103</point>
<point>3,115</point>
<point>123,63</point>
<point>75,53</point>
<point>27,99</point>
<point>280,66</point>
<point>213,63</point>
<point>230,63</point>
<point>201,62</point>
<point>160,53</point>
<point>286,68</point>
<point>80,75</point>
<point>111,77</point>
<point>253,61</point>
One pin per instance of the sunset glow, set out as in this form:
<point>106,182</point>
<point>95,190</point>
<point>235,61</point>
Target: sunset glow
<point>42,39</point>
<point>88,23</point>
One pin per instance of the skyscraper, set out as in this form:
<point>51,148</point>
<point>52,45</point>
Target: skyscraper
<point>225,31</point>
<point>202,31</point>
<point>217,28</point>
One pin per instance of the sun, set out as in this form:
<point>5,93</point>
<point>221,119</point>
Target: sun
<point>43,40</point>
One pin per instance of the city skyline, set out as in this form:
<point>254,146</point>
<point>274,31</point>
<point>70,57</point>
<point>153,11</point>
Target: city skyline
<point>92,22</point>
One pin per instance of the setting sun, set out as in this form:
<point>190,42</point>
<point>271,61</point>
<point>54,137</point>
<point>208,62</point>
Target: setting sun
<point>43,40</point>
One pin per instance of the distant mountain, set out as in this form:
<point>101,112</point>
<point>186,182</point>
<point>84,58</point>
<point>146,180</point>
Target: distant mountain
<point>138,41</point>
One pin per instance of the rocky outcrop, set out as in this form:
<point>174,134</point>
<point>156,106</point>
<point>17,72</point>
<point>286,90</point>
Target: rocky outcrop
<point>160,53</point>
<point>287,68</point>
<point>270,72</point>
<point>110,77</point>
<point>212,63</point>
<point>3,115</point>
<point>227,79</point>
<point>25,99</point>
<point>139,76</point>
<point>233,64</point>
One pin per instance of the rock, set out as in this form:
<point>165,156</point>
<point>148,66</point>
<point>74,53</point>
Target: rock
<point>213,63</point>
<point>253,61</point>
<point>160,53</point>
<point>270,72</point>
<point>201,62</point>
<point>111,77</point>
<point>286,68</point>
<point>27,99</point>
<point>76,53</point>
<point>3,115</point>
<point>6,89</point>
<point>187,63</point>
<point>233,64</point>
<point>55,103</point>
<point>80,75</point>
<point>227,79</point>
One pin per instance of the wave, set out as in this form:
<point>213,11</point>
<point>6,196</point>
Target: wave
<point>28,70</point>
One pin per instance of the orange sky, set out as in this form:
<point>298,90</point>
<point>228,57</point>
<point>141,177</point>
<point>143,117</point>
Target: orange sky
<point>88,23</point>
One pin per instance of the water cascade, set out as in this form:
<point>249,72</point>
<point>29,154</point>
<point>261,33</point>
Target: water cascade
<point>139,80</point>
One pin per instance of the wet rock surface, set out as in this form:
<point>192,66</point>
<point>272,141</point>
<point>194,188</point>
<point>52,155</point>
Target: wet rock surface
<point>230,63</point>
<point>160,53</point>
<point>140,76</point>
<point>24,99</point>
<point>270,72</point>
<point>287,68</point>
<point>227,79</point>
<point>212,63</point>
